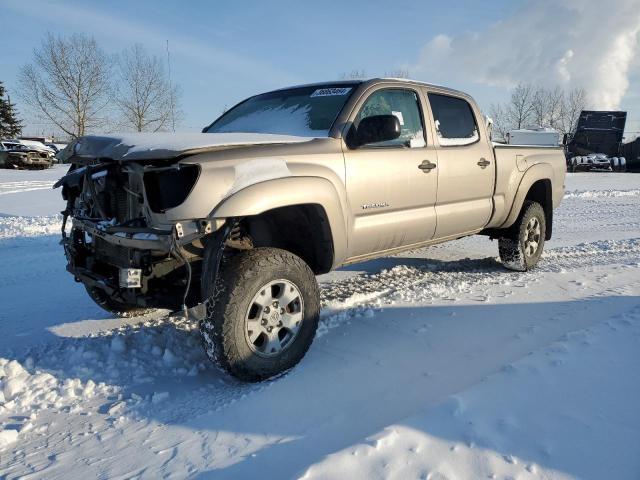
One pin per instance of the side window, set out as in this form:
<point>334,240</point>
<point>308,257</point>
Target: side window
<point>404,104</point>
<point>454,120</point>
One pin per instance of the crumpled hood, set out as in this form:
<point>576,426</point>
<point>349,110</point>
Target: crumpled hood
<point>159,146</point>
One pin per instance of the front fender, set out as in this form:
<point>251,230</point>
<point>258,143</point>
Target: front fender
<point>283,192</point>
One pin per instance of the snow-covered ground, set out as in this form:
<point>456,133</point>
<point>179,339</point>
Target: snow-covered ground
<point>434,364</point>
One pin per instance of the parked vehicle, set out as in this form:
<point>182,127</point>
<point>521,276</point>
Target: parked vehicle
<point>54,146</point>
<point>288,185</point>
<point>37,142</point>
<point>597,142</point>
<point>598,162</point>
<point>17,155</point>
<point>36,145</point>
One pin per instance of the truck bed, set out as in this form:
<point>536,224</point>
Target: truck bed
<point>513,162</point>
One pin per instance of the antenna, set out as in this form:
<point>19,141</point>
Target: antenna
<point>172,99</point>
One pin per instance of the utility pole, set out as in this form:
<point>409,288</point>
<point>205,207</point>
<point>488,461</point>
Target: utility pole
<point>173,117</point>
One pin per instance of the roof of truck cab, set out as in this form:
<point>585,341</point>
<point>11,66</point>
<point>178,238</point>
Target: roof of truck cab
<point>418,82</point>
<point>375,80</point>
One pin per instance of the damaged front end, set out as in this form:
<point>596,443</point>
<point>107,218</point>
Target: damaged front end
<point>116,241</point>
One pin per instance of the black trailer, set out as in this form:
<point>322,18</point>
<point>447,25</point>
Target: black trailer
<point>597,141</point>
<point>631,151</point>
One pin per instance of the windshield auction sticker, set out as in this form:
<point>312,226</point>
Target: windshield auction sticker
<point>330,92</point>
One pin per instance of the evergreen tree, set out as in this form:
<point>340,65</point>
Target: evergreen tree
<point>10,125</point>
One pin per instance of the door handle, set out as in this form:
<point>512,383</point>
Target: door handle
<point>427,166</point>
<point>484,163</point>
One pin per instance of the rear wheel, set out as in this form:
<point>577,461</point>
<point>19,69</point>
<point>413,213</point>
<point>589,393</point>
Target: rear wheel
<point>521,249</point>
<point>114,306</point>
<point>262,313</point>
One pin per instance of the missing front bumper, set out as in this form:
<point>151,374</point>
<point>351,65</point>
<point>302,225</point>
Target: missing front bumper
<point>138,238</point>
<point>137,265</point>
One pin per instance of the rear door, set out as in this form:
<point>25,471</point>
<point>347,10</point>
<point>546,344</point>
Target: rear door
<point>391,199</point>
<point>466,166</point>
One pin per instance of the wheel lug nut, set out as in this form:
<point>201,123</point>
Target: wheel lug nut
<point>281,310</point>
<point>269,329</point>
<point>266,309</point>
<point>275,304</point>
<point>264,321</point>
<point>279,324</point>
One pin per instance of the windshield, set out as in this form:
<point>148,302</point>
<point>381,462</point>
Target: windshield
<point>303,111</point>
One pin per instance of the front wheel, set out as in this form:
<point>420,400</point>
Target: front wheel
<point>522,248</point>
<point>262,313</point>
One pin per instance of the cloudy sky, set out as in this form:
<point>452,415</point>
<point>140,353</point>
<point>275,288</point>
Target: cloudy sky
<point>222,52</point>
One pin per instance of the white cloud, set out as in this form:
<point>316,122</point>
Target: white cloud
<point>586,43</point>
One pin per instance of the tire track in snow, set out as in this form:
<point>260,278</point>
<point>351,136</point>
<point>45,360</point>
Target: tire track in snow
<point>135,359</point>
<point>7,188</point>
<point>169,346</point>
<point>134,363</point>
<point>162,347</point>
<point>429,280</point>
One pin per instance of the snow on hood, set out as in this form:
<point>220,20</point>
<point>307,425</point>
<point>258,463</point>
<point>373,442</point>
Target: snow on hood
<point>153,146</point>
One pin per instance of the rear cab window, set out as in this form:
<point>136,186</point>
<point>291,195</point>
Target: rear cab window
<point>454,120</point>
<point>405,106</point>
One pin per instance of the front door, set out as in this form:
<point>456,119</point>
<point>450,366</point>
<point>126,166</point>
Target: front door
<point>392,185</point>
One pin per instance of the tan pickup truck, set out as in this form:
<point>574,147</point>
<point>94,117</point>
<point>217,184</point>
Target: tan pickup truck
<point>288,185</point>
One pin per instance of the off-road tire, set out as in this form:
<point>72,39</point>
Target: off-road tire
<point>115,307</point>
<point>242,275</point>
<point>512,246</point>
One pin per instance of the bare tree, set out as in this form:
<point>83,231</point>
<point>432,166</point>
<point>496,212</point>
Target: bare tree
<point>573,103</point>
<point>399,73</point>
<point>144,97</point>
<point>529,105</point>
<point>68,83</point>
<point>556,99</point>
<point>500,121</point>
<point>520,109</point>
<point>353,75</point>
<point>546,106</point>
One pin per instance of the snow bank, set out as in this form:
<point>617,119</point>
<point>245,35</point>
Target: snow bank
<point>138,354</point>
<point>602,193</point>
<point>23,395</point>
<point>11,227</point>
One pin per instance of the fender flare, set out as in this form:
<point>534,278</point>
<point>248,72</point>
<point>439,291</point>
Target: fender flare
<point>539,171</point>
<point>284,192</point>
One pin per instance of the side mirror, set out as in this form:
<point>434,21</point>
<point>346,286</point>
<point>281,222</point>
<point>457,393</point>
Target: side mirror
<point>377,128</point>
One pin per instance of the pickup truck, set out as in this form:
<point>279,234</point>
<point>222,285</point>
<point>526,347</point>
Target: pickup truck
<point>288,185</point>
<point>20,154</point>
